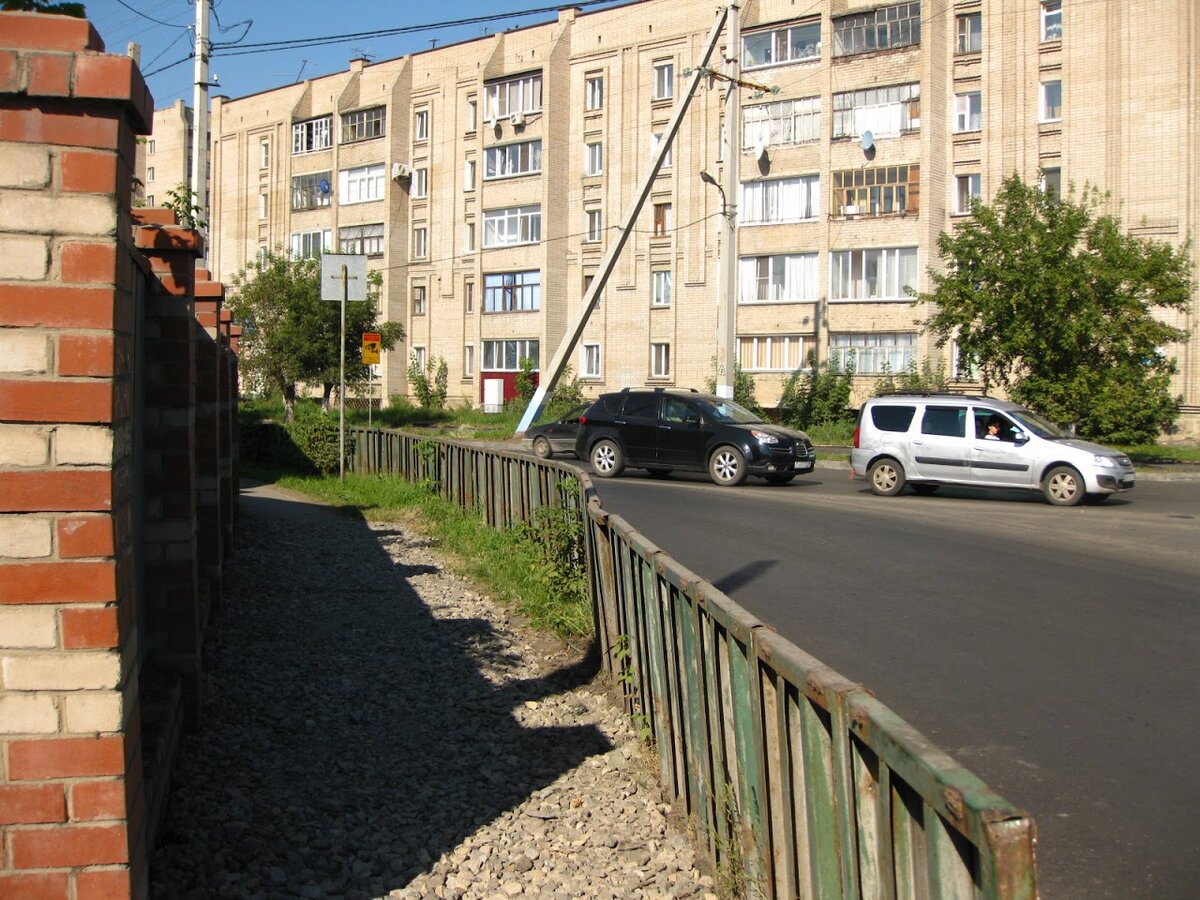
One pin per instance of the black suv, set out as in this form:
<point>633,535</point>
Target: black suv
<point>660,430</point>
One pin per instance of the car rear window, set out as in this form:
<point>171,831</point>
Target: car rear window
<point>892,418</point>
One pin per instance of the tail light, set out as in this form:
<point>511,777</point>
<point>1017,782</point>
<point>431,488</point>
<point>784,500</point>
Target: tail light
<point>583,421</point>
<point>856,431</point>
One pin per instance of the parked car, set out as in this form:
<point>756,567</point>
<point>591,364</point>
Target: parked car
<point>662,430</point>
<point>554,437</point>
<point>927,440</point>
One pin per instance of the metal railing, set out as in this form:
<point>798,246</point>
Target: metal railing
<point>799,781</point>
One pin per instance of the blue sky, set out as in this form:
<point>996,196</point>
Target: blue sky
<point>162,27</point>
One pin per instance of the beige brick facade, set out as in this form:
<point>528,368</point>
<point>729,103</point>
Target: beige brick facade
<point>1101,94</point>
<point>164,157</point>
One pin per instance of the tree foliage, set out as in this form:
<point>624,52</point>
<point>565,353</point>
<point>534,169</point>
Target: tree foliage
<point>743,387</point>
<point>818,395</point>
<point>430,384</point>
<point>1057,304</point>
<point>929,378</point>
<point>63,9</point>
<point>291,335</point>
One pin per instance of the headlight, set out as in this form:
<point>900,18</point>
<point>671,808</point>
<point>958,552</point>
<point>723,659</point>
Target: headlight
<point>763,438</point>
<point>1104,462</point>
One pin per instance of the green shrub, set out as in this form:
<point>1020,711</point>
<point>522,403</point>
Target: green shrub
<point>316,436</point>
<point>526,384</point>
<point>743,387</point>
<point>818,396</point>
<point>930,379</point>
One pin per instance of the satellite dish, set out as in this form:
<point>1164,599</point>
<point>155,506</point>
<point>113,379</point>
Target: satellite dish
<point>323,186</point>
<point>868,141</point>
<point>760,150</point>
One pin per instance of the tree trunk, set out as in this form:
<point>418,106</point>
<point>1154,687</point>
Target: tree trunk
<point>328,388</point>
<point>289,403</point>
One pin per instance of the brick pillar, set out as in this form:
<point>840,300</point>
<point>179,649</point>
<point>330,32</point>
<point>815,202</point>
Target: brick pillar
<point>176,595</point>
<point>71,795</point>
<point>209,359</point>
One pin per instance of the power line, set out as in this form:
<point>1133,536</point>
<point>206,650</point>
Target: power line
<point>150,18</point>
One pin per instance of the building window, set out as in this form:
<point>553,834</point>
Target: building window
<point>664,80</point>
<point>662,289</point>
<point>1051,181</point>
<point>150,173</point>
<point>884,111</point>
<point>512,292</point>
<point>1051,101</point>
<point>262,204</point>
<point>794,43</point>
<point>968,112</point>
<point>778,279</point>
<point>593,159</point>
<point>594,226</point>
<point>520,94</point>
<point>468,360</point>
<point>311,191</point>
<point>418,355</point>
<point>469,236</point>
<point>780,200</point>
<point>469,297</point>
<point>363,124</point>
<point>970,33</point>
<point>880,273</point>
<point>966,190</point>
<point>664,219</point>
<point>419,186</point>
<point>361,185</point>
<point>593,92</point>
<point>366,240</point>
<point>264,154</point>
<point>469,175</point>
<point>512,225</point>
<point>149,199</point>
<point>963,366</point>
<point>875,353</point>
<point>1052,24</point>
<point>421,125</point>
<point>150,148</point>
<point>660,360</point>
<point>472,114</point>
<point>886,28</point>
<point>506,356</point>
<point>589,361</point>
<point>881,191</point>
<point>655,140</point>
<point>781,123</point>
<point>524,158</point>
<point>771,353</point>
<point>309,244</point>
<point>311,136</point>
<point>418,300</point>
<point>420,242</point>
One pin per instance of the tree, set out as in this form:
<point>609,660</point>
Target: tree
<point>291,334</point>
<point>1057,305</point>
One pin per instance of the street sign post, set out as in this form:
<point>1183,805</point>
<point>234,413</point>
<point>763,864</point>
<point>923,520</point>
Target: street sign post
<point>343,278</point>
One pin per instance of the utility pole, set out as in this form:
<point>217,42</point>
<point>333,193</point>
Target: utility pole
<point>198,184</point>
<point>727,281</point>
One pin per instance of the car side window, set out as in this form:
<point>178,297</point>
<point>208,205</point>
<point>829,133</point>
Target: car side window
<point>946,421</point>
<point>676,411</point>
<point>641,406</point>
<point>1006,430</point>
<point>892,418</point>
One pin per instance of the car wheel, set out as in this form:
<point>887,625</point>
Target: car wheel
<point>925,489</point>
<point>607,458</point>
<point>727,466</point>
<point>659,472</point>
<point>1063,486</point>
<point>542,448</point>
<point>779,479</point>
<point>886,477</point>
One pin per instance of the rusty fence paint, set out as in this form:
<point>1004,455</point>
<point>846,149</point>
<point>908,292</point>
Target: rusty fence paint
<point>795,777</point>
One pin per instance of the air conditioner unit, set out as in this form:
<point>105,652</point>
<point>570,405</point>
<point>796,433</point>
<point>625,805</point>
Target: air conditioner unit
<point>850,210</point>
<point>517,119</point>
<point>400,170</point>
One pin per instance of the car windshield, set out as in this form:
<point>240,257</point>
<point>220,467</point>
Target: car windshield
<point>1035,423</point>
<point>728,411</point>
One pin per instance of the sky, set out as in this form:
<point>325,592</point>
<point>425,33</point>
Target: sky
<point>163,28</point>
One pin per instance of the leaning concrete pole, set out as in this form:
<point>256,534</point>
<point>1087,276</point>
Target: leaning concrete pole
<point>731,150</point>
<point>198,183</point>
<point>554,371</point>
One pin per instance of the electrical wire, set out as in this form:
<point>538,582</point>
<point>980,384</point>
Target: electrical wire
<point>150,18</point>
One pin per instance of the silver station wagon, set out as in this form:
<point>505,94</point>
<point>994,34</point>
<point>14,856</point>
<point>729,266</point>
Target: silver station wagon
<point>927,440</point>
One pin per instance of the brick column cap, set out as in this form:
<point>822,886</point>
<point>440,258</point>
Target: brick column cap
<point>43,31</point>
<point>157,239</point>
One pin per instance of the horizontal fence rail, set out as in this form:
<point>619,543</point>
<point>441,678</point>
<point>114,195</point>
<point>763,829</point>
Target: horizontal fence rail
<point>800,782</point>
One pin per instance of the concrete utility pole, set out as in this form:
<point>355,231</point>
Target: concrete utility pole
<point>727,282</point>
<point>198,183</point>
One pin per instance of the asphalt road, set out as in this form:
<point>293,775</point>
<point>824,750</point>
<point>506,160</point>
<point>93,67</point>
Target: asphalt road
<point>1054,652</point>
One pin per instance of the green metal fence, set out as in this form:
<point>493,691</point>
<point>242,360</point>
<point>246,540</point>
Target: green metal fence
<point>799,781</point>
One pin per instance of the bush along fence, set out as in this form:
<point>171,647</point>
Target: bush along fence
<point>800,783</point>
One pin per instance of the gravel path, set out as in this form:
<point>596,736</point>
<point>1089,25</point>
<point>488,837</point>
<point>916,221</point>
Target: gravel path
<point>376,728</point>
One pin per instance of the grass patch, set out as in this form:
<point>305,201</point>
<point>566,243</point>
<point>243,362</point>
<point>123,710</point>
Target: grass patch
<point>512,566</point>
<point>1143,454</point>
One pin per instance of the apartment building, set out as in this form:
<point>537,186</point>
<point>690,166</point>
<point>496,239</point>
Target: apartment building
<point>485,179</point>
<point>164,159</point>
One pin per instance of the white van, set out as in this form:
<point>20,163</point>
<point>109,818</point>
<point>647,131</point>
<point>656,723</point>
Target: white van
<point>927,440</point>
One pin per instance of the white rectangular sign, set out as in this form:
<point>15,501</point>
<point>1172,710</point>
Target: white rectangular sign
<point>331,276</point>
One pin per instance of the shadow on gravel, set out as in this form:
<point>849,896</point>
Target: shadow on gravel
<point>350,737</point>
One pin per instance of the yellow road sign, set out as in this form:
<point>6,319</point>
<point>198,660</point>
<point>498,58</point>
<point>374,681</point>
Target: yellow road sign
<point>370,347</point>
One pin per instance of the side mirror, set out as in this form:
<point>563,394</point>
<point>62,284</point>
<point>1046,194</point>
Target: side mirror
<point>1020,437</point>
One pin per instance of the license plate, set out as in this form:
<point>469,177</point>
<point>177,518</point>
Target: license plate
<point>800,464</point>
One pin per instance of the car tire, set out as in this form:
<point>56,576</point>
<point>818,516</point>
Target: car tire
<point>727,466</point>
<point>607,458</point>
<point>542,448</point>
<point>1063,486</point>
<point>659,472</point>
<point>925,490</point>
<point>886,477</point>
<point>779,479</point>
